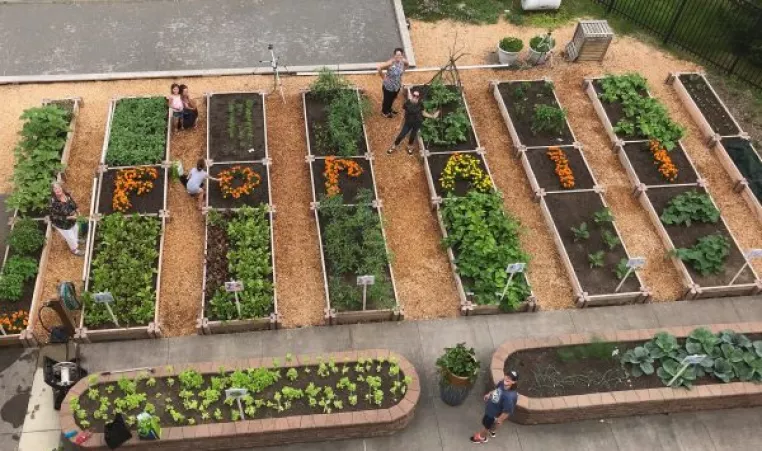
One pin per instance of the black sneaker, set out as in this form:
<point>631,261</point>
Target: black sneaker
<point>493,434</point>
<point>409,150</point>
<point>477,441</point>
<point>387,115</point>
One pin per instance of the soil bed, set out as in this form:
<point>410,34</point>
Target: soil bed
<point>233,133</point>
<point>521,109</point>
<point>647,170</point>
<point>317,115</point>
<point>709,104</point>
<point>147,203</point>
<point>686,237</point>
<point>437,164</point>
<point>615,113</point>
<point>258,196</point>
<point>27,293</point>
<point>469,144</point>
<point>747,161</point>
<point>348,186</point>
<point>547,374</point>
<point>572,209</point>
<point>544,169</point>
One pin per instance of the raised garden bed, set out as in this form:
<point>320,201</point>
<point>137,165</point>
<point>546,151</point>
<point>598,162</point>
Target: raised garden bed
<point>236,127</point>
<point>248,251</point>
<point>124,256</point>
<point>345,203</point>
<point>595,376</point>
<point>704,105</point>
<point>249,181</point>
<point>744,165</point>
<point>533,113</point>
<point>141,189</point>
<point>655,197</point>
<point>138,132</point>
<point>456,173</point>
<point>453,130</point>
<point>290,399</point>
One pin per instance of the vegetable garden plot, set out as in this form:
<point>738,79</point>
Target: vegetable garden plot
<point>124,258</point>
<point>239,218</point>
<point>345,176</point>
<point>138,132</point>
<point>141,189</point>
<point>453,130</point>
<point>649,164</point>
<point>696,237</point>
<point>704,105</point>
<point>456,174</point>
<point>537,119</point>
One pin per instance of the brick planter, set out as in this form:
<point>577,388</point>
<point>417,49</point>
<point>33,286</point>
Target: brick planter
<point>263,432</point>
<point>560,409</point>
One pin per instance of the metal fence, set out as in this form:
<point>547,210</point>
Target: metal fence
<point>725,33</point>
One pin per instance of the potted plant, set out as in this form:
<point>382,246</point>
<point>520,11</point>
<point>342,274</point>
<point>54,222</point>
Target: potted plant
<point>508,49</point>
<point>148,427</point>
<point>539,46</point>
<point>458,369</point>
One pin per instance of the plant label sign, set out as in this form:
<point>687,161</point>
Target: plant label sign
<point>694,359</point>
<point>636,262</point>
<point>754,253</point>
<point>366,280</point>
<point>514,268</point>
<point>234,286</point>
<point>106,298</point>
<point>237,394</point>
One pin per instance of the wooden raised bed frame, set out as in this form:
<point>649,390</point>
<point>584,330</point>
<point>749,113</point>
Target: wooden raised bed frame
<point>581,297</point>
<point>263,432</point>
<point>692,290</point>
<point>332,316</point>
<point>204,325</point>
<point>559,409</point>
<point>26,337</point>
<point>467,306</point>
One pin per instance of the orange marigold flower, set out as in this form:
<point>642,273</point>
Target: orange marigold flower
<point>562,170</point>
<point>237,181</point>
<point>333,166</point>
<point>127,181</point>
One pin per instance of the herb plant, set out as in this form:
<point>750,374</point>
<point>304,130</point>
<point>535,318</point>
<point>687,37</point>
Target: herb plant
<point>511,44</point>
<point>459,361</point>
<point>581,232</point>
<point>689,207</point>
<point>611,239</point>
<point>138,132</point>
<point>17,270</point>
<point>596,259</point>
<point>708,255</point>
<point>548,119</point>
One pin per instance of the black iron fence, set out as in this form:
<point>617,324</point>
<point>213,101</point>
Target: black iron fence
<point>725,33</point>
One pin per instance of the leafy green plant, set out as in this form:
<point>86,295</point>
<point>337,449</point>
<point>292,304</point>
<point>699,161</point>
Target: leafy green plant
<point>670,368</point>
<point>611,239</point>
<point>458,360</point>
<point>191,379</point>
<point>542,43</point>
<point>38,157</point>
<point>447,129</point>
<point>485,240</point>
<point>138,132</point>
<point>17,270</point>
<point>26,237</point>
<point>638,361</point>
<point>124,263</point>
<point>596,259</point>
<point>597,349</point>
<point>708,255</point>
<point>689,207</point>
<point>511,44</point>
<point>581,232</point>
<point>549,119</point>
<point>603,217</point>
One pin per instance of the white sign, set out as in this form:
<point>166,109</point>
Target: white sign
<point>237,394</point>
<point>106,299</point>
<point>366,280</point>
<point>636,262</point>
<point>754,253</point>
<point>694,359</point>
<point>514,268</point>
<point>234,286</point>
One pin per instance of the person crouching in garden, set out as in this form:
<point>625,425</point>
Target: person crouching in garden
<point>194,181</point>
<point>414,114</point>
<point>63,215</point>
<point>499,405</point>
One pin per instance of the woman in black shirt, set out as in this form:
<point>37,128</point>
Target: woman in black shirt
<point>63,215</point>
<point>414,114</point>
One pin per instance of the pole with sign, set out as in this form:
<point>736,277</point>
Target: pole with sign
<point>237,394</point>
<point>750,254</point>
<point>512,269</point>
<point>2,330</point>
<point>364,281</point>
<point>106,298</point>
<point>235,286</point>
<point>633,264</point>
<point>687,361</point>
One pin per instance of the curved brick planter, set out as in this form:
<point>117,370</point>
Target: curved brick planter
<point>559,409</point>
<point>263,432</point>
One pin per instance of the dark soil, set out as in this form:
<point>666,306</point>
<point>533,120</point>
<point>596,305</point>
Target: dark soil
<point>719,119</point>
<point>747,161</point>
<point>685,237</point>
<point>521,109</point>
<point>438,162</point>
<point>158,394</point>
<point>259,195</point>
<point>544,169</point>
<point>469,144</point>
<point>349,186</point>
<point>317,115</point>
<point>25,302</point>
<point>150,202</point>
<point>614,113</point>
<point>647,169</point>
<point>572,209</point>
<point>545,374</point>
<point>245,137</point>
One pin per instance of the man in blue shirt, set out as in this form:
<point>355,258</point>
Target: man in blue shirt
<point>499,405</point>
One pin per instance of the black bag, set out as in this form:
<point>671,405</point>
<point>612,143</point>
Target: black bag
<point>116,432</point>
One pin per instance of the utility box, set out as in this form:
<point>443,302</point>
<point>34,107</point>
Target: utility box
<point>591,41</point>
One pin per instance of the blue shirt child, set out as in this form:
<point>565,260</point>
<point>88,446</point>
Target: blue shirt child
<point>501,401</point>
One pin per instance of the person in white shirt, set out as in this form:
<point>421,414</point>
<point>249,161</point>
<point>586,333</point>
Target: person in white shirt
<point>194,182</point>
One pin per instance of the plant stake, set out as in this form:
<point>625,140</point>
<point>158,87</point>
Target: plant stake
<point>237,394</point>
<point>633,264</point>
<point>2,330</point>
<point>750,254</point>
<point>512,269</point>
<point>106,298</point>
<point>687,361</point>
<point>235,286</point>
<point>364,281</point>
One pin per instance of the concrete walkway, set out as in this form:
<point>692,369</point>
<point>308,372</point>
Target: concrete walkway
<point>98,36</point>
<point>439,427</point>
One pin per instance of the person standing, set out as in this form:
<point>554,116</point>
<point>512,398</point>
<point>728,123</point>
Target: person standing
<point>499,405</point>
<point>175,104</point>
<point>190,109</point>
<point>392,80</point>
<point>63,213</point>
<point>414,114</point>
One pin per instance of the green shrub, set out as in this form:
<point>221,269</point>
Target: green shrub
<point>511,44</point>
<point>16,271</point>
<point>26,237</point>
<point>542,43</point>
<point>548,119</point>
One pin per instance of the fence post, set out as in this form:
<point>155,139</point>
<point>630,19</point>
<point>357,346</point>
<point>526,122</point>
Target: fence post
<point>610,6</point>
<point>672,25</point>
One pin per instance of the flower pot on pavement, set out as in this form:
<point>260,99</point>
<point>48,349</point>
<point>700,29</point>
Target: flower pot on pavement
<point>458,369</point>
<point>539,46</point>
<point>508,50</point>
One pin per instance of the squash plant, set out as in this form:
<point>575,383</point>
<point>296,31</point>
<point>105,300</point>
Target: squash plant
<point>124,263</point>
<point>138,132</point>
<point>689,207</point>
<point>38,157</point>
<point>708,255</point>
<point>485,240</point>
